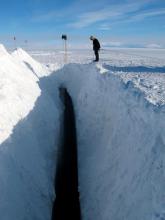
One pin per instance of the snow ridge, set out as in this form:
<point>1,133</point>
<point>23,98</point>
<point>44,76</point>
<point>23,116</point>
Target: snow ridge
<point>38,69</point>
<point>18,92</point>
<point>3,51</point>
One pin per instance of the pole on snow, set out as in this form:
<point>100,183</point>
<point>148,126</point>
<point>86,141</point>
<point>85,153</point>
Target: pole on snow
<point>15,45</point>
<point>26,44</point>
<point>64,38</point>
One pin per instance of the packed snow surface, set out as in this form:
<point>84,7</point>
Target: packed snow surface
<point>143,67</point>
<point>120,114</point>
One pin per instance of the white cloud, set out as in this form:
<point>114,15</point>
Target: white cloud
<point>147,14</point>
<point>112,44</point>
<point>154,46</point>
<point>92,17</point>
<point>111,12</point>
<point>105,27</point>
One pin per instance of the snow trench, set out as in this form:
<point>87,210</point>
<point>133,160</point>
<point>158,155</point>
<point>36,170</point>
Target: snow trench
<point>66,204</point>
<point>121,145</point>
<point>120,149</point>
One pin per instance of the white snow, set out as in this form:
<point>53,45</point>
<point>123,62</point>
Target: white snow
<point>18,93</point>
<point>144,67</point>
<point>119,105</point>
<point>38,69</point>
<point>29,132</point>
<point>121,144</point>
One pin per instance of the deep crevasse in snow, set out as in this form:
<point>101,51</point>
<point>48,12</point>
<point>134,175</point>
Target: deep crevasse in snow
<point>121,145</point>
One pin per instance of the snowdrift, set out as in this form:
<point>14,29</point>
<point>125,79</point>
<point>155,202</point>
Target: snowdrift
<point>121,143</point>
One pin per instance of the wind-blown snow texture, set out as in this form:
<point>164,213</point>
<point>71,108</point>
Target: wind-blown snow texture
<point>121,137</point>
<point>143,67</point>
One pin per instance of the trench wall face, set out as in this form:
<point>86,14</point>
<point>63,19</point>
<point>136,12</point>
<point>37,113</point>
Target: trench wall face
<point>121,144</point>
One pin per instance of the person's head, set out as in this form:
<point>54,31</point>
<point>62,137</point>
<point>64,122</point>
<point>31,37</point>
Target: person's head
<point>92,38</point>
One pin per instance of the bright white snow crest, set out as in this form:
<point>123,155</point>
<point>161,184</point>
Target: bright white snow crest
<point>28,136</point>
<point>3,51</point>
<point>120,116</point>
<point>18,92</point>
<point>38,69</point>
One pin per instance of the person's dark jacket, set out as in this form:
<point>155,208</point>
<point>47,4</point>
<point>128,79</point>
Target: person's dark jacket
<point>96,45</point>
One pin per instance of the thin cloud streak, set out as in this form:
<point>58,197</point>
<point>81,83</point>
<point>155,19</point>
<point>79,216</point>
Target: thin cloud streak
<point>113,12</point>
<point>130,12</point>
<point>148,14</point>
<point>138,17</point>
<point>92,15</point>
<point>105,27</point>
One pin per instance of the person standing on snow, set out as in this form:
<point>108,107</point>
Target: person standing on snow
<point>96,47</point>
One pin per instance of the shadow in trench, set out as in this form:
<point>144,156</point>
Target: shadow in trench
<point>138,69</point>
<point>67,205</point>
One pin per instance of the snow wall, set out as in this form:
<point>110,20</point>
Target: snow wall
<point>121,144</point>
<point>29,135</point>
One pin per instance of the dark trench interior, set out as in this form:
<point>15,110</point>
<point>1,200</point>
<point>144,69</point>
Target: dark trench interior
<point>67,205</point>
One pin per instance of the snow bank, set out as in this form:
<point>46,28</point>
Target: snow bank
<point>27,164</point>
<point>29,136</point>
<point>18,92</point>
<point>38,69</point>
<point>3,51</point>
<point>150,80</point>
<point>121,146</point>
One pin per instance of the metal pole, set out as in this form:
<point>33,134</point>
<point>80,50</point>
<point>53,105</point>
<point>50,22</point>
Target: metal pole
<point>65,51</point>
<point>64,37</point>
<point>15,45</point>
<point>26,45</point>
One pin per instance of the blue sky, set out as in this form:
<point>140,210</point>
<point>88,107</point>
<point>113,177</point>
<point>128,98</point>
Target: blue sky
<point>119,23</point>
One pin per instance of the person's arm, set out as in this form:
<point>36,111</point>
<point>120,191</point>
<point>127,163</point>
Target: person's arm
<point>98,45</point>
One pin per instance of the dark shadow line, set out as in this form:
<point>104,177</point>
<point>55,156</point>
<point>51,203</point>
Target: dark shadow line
<point>67,205</point>
<point>136,69</point>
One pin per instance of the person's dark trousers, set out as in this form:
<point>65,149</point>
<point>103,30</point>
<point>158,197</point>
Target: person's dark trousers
<point>97,55</point>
